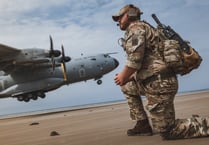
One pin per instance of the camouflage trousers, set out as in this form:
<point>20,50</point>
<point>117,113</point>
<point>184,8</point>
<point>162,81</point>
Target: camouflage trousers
<point>132,94</point>
<point>193,127</point>
<point>159,94</point>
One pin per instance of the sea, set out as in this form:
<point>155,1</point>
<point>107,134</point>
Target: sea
<point>76,107</point>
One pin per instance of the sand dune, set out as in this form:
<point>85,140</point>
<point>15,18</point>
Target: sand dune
<point>101,125</point>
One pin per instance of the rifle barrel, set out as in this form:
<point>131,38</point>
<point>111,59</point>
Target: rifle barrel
<point>157,20</point>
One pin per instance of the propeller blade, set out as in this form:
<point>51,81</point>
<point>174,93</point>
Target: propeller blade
<point>54,53</point>
<point>63,52</point>
<point>65,58</point>
<point>63,65</point>
<point>51,44</point>
<point>51,53</point>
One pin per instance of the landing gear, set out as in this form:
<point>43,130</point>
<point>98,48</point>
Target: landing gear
<point>41,95</point>
<point>20,98</point>
<point>33,96</point>
<point>99,82</point>
<point>26,99</point>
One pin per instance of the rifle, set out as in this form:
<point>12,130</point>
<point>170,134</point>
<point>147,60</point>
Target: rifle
<point>171,34</point>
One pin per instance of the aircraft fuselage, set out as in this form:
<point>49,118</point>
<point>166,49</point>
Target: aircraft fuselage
<point>33,82</point>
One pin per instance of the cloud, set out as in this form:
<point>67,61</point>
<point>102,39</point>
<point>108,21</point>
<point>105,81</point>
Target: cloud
<point>20,6</point>
<point>79,21</point>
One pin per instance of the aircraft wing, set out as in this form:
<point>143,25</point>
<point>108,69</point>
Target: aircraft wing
<point>7,51</point>
<point>7,55</point>
<point>13,59</point>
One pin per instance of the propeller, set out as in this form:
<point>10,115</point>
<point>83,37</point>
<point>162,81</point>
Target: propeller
<point>53,53</point>
<point>63,65</point>
<point>64,58</point>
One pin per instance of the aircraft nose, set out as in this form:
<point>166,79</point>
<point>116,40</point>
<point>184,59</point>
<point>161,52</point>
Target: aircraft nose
<point>116,62</point>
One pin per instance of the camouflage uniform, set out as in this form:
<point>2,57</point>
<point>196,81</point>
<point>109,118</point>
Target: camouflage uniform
<point>141,46</point>
<point>193,127</point>
<point>132,94</point>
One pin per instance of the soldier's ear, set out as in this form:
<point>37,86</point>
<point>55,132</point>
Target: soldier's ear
<point>132,13</point>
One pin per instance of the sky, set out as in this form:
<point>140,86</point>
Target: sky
<point>86,27</point>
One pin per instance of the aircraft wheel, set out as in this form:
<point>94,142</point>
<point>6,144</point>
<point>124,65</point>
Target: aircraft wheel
<point>99,82</point>
<point>42,95</point>
<point>34,97</point>
<point>26,99</point>
<point>20,98</point>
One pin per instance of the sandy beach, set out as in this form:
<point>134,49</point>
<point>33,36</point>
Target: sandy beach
<point>101,125</point>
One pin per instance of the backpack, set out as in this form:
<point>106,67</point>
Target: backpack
<point>178,55</point>
<point>178,60</point>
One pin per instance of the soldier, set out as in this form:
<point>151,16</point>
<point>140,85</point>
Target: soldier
<point>145,73</point>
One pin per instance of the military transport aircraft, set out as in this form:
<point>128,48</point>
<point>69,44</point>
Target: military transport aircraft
<point>27,74</point>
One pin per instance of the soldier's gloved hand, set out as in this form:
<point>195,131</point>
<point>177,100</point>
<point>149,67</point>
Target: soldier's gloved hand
<point>159,66</point>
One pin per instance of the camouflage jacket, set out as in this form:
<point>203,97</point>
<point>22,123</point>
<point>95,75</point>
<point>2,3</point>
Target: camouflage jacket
<point>141,46</point>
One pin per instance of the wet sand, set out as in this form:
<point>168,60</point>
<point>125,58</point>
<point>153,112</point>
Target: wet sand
<point>101,125</point>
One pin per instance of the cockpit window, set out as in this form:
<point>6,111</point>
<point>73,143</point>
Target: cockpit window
<point>106,55</point>
<point>93,59</point>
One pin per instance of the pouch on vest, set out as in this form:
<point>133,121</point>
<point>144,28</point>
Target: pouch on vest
<point>177,59</point>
